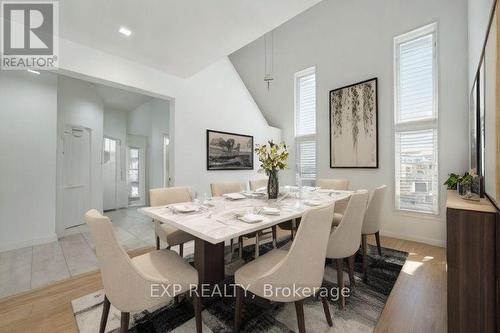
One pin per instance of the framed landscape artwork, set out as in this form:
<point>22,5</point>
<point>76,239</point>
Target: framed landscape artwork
<point>353,126</point>
<point>229,151</point>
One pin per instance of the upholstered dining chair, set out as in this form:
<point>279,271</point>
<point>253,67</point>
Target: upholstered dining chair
<point>340,205</point>
<point>372,222</point>
<point>300,268</point>
<point>219,189</point>
<point>333,184</point>
<point>258,184</point>
<point>164,232</point>
<point>344,240</point>
<point>128,282</point>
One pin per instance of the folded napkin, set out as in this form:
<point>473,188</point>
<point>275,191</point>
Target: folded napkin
<point>234,196</point>
<point>251,194</point>
<point>251,218</point>
<point>185,208</point>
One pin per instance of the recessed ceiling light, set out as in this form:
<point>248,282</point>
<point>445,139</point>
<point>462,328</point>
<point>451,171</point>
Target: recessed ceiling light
<point>33,71</point>
<point>125,31</point>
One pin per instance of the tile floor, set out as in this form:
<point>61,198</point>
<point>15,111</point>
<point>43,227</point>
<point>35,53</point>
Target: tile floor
<point>37,266</point>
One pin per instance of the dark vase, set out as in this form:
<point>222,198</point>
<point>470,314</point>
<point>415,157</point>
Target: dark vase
<point>273,185</point>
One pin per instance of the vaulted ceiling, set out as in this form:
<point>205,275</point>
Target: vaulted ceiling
<point>180,37</point>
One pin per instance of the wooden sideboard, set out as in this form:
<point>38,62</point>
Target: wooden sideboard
<point>471,230</point>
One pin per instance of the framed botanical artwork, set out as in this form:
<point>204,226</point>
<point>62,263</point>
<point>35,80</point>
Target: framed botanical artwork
<point>354,126</point>
<point>229,151</point>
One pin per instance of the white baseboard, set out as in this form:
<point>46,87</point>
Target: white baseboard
<point>430,241</point>
<point>27,243</point>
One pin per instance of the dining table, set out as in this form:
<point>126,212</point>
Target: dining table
<point>215,221</point>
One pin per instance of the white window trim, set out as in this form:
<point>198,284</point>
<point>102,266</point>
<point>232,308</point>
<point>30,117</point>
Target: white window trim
<point>308,137</point>
<point>426,123</point>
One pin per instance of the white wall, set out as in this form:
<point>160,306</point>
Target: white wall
<point>217,99</point>
<point>152,120</point>
<point>78,104</point>
<point>351,41</point>
<point>479,12</point>
<point>28,158</point>
<point>115,126</point>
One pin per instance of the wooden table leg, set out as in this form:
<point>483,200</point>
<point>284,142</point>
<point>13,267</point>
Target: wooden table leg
<point>209,261</point>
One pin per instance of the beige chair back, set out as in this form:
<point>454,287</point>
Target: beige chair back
<point>126,288</point>
<point>373,219</point>
<point>169,195</point>
<point>256,184</point>
<point>219,189</point>
<point>345,239</point>
<point>304,265</point>
<point>333,184</point>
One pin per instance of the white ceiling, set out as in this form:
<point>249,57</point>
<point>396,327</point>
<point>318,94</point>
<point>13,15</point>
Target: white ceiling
<point>119,99</point>
<point>180,37</point>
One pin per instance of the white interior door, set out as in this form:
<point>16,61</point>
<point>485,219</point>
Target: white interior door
<point>76,176</point>
<point>110,161</point>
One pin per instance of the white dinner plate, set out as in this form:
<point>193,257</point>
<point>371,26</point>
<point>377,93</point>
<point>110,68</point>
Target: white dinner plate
<point>270,211</point>
<point>312,203</point>
<point>251,218</point>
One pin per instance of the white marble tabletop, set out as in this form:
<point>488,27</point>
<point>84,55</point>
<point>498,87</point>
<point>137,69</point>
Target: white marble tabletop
<point>217,219</point>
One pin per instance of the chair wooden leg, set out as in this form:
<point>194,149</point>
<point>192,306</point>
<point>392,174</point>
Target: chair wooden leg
<point>350,262</point>
<point>364,253</point>
<point>105,313</point>
<point>327,311</point>
<point>232,245</point>
<point>181,250</point>
<point>291,233</point>
<point>157,242</point>
<point>340,282</point>
<point>197,312</point>
<point>125,318</point>
<point>377,238</point>
<point>299,309</point>
<point>275,238</point>
<point>237,309</point>
<point>257,245</point>
<point>240,246</point>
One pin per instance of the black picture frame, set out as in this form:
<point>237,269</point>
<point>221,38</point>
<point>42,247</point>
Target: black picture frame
<point>211,164</point>
<point>474,125</point>
<point>376,166</point>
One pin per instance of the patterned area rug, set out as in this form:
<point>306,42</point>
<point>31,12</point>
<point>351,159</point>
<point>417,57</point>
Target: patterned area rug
<point>363,306</point>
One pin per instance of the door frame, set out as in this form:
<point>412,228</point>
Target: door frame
<point>117,167</point>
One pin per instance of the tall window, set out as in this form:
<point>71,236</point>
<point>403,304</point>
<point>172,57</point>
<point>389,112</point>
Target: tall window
<point>133,174</point>
<point>305,125</point>
<point>415,121</point>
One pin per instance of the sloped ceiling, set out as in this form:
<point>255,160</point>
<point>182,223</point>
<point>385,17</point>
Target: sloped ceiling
<point>180,37</point>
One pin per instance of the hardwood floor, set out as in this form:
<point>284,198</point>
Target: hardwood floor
<point>417,302</point>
